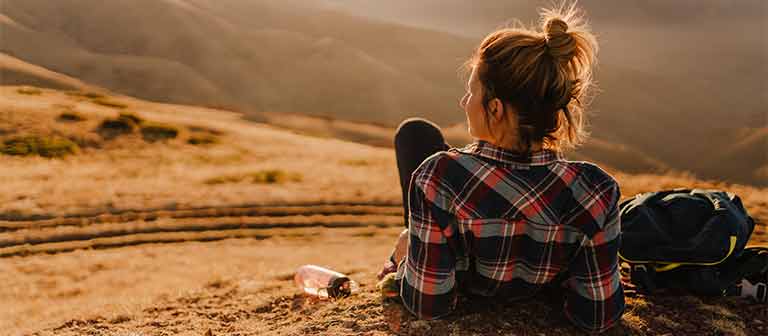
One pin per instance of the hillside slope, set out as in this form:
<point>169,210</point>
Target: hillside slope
<point>132,233</point>
<point>360,62</point>
<point>253,56</point>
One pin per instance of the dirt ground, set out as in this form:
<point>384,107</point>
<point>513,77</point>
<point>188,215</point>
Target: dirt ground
<point>136,238</point>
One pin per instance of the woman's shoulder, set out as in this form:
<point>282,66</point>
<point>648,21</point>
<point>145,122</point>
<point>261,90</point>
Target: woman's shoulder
<point>591,172</point>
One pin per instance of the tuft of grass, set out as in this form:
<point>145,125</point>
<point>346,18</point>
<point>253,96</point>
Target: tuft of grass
<point>271,176</point>
<point>111,128</point>
<point>89,95</point>
<point>356,162</point>
<point>45,146</point>
<point>133,117</point>
<point>157,132</point>
<point>203,129</point>
<point>202,139</point>
<point>104,101</point>
<point>28,90</point>
<point>70,116</point>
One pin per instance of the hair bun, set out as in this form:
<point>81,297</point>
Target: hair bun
<point>559,42</point>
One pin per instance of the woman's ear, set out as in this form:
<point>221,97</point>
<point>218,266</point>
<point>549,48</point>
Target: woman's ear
<point>497,109</point>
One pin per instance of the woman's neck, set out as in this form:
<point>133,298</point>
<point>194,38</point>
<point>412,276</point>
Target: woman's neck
<point>514,146</point>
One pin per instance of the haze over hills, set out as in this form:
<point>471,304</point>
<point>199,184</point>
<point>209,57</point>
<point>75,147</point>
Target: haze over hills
<point>249,55</point>
<point>682,80</point>
<point>691,104</point>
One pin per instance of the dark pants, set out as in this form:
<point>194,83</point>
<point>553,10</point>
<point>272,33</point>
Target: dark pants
<point>415,140</point>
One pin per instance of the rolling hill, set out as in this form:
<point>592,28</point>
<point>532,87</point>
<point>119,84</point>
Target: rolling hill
<point>133,234</point>
<point>670,83</point>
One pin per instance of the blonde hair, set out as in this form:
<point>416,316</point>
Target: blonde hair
<point>544,75</point>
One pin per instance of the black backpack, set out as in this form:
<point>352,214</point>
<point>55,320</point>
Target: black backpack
<point>687,239</point>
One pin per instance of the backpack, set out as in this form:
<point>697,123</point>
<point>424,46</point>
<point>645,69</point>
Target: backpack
<point>687,239</point>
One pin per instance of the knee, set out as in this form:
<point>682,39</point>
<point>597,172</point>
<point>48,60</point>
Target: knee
<point>416,128</point>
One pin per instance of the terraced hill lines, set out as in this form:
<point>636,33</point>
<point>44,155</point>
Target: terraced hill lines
<point>124,228</point>
<point>48,234</point>
<point>16,222</point>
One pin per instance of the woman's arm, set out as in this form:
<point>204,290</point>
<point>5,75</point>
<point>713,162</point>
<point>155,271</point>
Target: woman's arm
<point>427,273</point>
<point>595,299</point>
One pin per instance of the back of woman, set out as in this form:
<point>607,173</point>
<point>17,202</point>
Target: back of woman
<point>508,215</point>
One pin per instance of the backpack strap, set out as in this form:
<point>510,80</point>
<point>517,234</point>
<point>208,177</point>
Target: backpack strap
<point>644,277</point>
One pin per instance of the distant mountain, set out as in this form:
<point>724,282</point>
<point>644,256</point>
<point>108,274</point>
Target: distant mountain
<point>247,55</point>
<point>672,75</point>
<point>15,71</point>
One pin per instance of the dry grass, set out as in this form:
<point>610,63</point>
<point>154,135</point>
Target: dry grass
<point>126,173</point>
<point>28,90</point>
<point>37,145</point>
<point>272,176</point>
<point>158,132</point>
<point>70,116</point>
<point>68,290</point>
<point>108,102</point>
<point>203,139</point>
<point>86,94</point>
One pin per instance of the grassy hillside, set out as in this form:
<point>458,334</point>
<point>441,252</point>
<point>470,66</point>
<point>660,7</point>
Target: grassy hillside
<point>361,62</point>
<point>125,216</point>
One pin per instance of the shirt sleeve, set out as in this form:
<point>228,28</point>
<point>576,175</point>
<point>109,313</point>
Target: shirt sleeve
<point>427,274</point>
<point>594,296</point>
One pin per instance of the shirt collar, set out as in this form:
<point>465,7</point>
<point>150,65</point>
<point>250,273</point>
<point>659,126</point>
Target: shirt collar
<point>488,150</point>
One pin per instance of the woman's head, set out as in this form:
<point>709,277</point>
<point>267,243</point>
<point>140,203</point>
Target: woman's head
<point>527,87</point>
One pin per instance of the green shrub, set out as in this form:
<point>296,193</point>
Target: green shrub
<point>134,118</point>
<point>70,116</point>
<point>45,146</point>
<point>104,101</point>
<point>156,132</point>
<point>28,90</point>
<point>271,176</point>
<point>111,128</point>
<point>202,139</point>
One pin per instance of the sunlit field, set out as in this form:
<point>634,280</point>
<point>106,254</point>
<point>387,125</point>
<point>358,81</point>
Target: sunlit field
<point>129,234</point>
<point>167,165</point>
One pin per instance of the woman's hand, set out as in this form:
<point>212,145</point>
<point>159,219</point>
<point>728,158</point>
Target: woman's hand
<point>401,247</point>
<point>397,255</point>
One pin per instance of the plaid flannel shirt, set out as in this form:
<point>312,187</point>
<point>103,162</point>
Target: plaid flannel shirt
<point>494,223</point>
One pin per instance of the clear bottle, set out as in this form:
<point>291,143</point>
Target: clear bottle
<point>323,283</point>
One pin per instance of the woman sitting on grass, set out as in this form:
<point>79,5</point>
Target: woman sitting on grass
<point>507,215</point>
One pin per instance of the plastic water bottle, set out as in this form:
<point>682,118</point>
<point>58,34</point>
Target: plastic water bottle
<point>323,283</point>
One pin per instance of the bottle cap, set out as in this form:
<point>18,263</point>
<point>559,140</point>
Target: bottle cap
<point>339,287</point>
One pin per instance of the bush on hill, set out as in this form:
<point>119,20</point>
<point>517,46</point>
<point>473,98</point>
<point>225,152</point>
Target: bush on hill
<point>70,116</point>
<point>136,119</point>
<point>103,101</point>
<point>28,90</point>
<point>89,95</point>
<point>202,139</point>
<point>111,128</point>
<point>45,146</point>
<point>156,132</point>
<point>271,176</point>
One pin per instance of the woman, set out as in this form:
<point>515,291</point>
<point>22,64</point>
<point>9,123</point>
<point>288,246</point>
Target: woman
<point>507,215</point>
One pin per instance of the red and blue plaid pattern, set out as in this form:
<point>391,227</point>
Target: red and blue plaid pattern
<point>493,223</point>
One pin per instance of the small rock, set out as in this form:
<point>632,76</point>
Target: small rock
<point>420,325</point>
<point>758,321</point>
<point>209,332</point>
